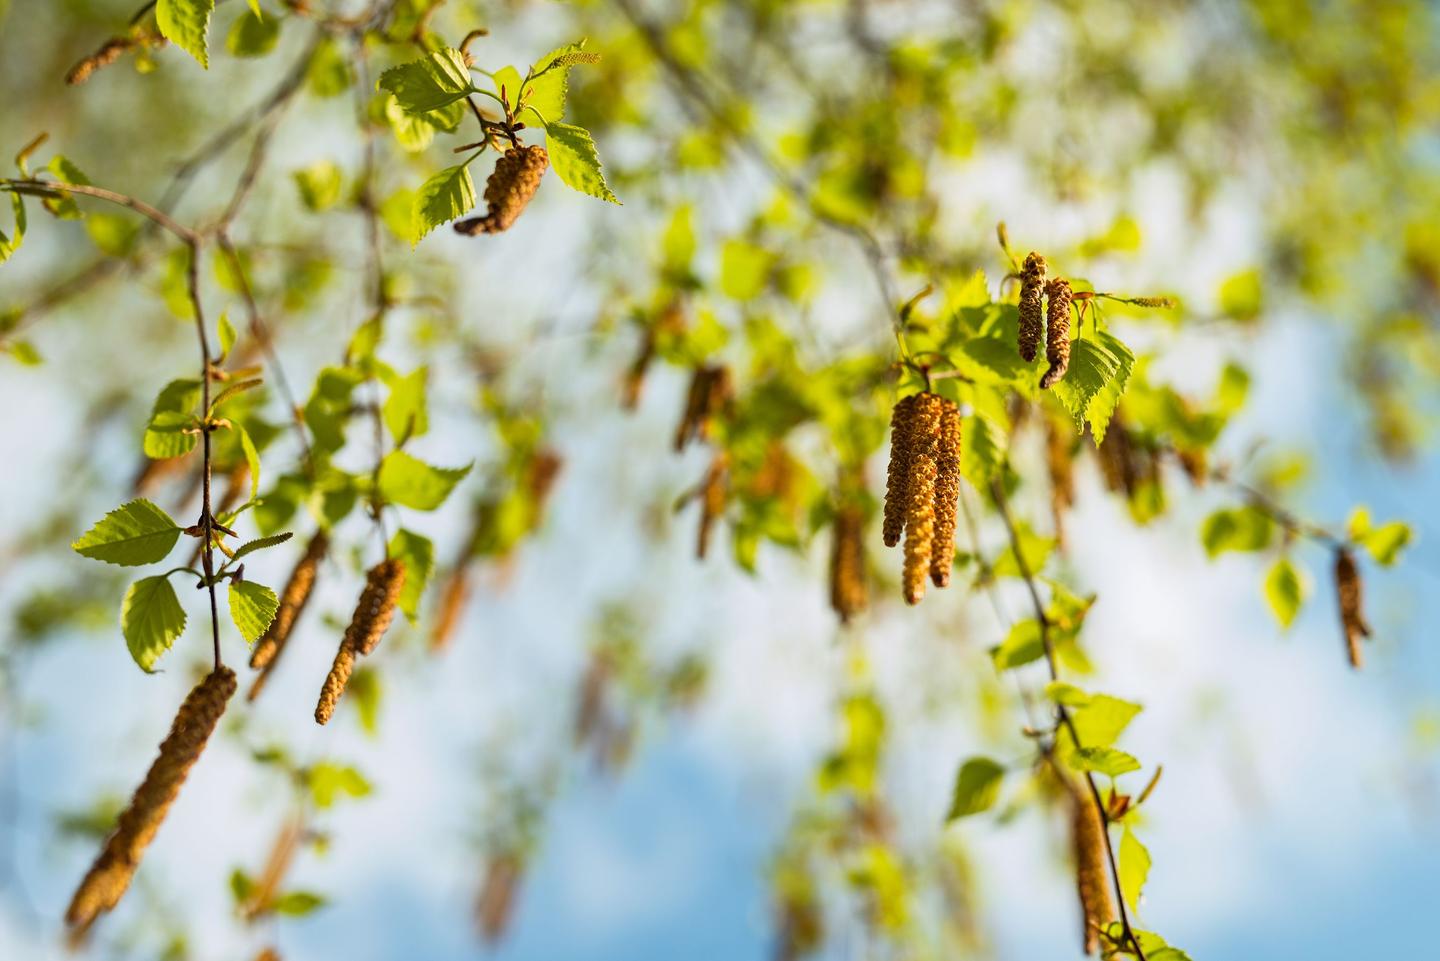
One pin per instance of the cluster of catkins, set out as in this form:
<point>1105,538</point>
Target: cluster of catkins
<point>922,489</point>
<point>110,875</point>
<point>508,191</point>
<point>371,619</point>
<point>1044,306</point>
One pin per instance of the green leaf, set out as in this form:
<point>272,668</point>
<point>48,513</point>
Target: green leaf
<point>1134,868</point>
<point>576,161</point>
<point>63,206</point>
<point>507,84</point>
<point>259,544</point>
<point>442,198</point>
<point>981,455</point>
<point>1283,591</point>
<point>297,904</point>
<point>405,410</point>
<point>1242,295</point>
<point>319,184</point>
<point>227,336</point>
<point>252,460</point>
<point>1020,647</point>
<point>977,786</point>
<point>242,886</point>
<point>133,534</point>
<point>8,246</point>
<point>252,34</point>
<point>252,608</point>
<point>417,553</point>
<point>544,95</point>
<point>434,81</point>
<point>411,482</point>
<point>329,74</point>
<point>173,410</point>
<point>1099,371</point>
<point>1241,529</point>
<point>364,693</point>
<point>1384,543</point>
<point>1103,760</point>
<point>112,234</point>
<point>184,23</point>
<point>1035,550</point>
<point>327,781</point>
<point>1099,719</point>
<point>744,269</point>
<point>990,360</point>
<point>151,618</point>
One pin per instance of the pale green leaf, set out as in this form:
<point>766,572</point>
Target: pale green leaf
<point>151,618</point>
<point>1099,370</point>
<point>8,246</point>
<point>981,454</point>
<point>442,198</point>
<point>1239,529</point>
<point>1103,760</point>
<point>133,534</point>
<point>252,608</point>
<point>319,184</point>
<point>977,786</point>
<point>227,336</point>
<point>1022,646</point>
<point>1134,868</point>
<point>545,93</point>
<point>410,482</point>
<point>1284,591</point>
<point>252,460</point>
<point>417,553</point>
<point>405,409</point>
<point>744,269</point>
<point>327,781</point>
<point>434,81</point>
<point>184,23</point>
<point>576,161</point>
<point>252,34</point>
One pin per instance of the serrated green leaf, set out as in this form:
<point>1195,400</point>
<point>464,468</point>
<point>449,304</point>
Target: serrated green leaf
<point>319,184</point>
<point>252,34</point>
<point>442,198</point>
<point>252,608</point>
<point>414,132</point>
<point>259,544</point>
<point>990,360</point>
<point>981,456</point>
<point>410,482</point>
<point>132,534</point>
<point>185,23</point>
<point>434,81</point>
<point>1103,760</point>
<point>151,618</point>
<point>576,161</point>
<point>544,95</point>
<point>1283,591</point>
<point>1134,868</point>
<point>405,409</point>
<point>1099,371</point>
<point>977,786</point>
<point>417,553</point>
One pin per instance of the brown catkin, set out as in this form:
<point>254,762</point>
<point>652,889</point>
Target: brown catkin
<point>110,875</point>
<point>1032,307</point>
<point>496,902</point>
<point>1348,588</point>
<point>335,683</point>
<point>897,480</point>
<point>293,599</point>
<point>695,401</point>
<point>268,954</point>
<point>511,185</point>
<point>920,499</point>
<point>376,608</point>
<point>947,493</point>
<point>712,502</point>
<point>848,595</point>
<point>1091,880</point>
<point>261,900</point>
<point>104,57</point>
<point>1057,332</point>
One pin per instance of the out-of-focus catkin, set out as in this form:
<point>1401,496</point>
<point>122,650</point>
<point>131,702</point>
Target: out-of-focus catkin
<point>712,501</point>
<point>508,191</point>
<point>947,492</point>
<point>1057,332</point>
<point>110,875</point>
<point>293,599</point>
<point>1349,589</point>
<point>1091,879</point>
<point>709,394</point>
<point>920,499</point>
<point>902,424</point>
<point>1032,306</point>
<point>496,902</point>
<point>376,608</point>
<point>848,594</point>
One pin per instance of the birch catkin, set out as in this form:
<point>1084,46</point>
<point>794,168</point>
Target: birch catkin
<point>1057,332</point>
<point>1032,308</point>
<point>947,492</point>
<point>920,499</point>
<point>1091,880</point>
<point>110,875</point>
<point>902,424</point>
<point>508,191</point>
<point>1348,588</point>
<point>848,595</point>
<point>293,599</point>
<point>712,502</point>
<point>376,608</point>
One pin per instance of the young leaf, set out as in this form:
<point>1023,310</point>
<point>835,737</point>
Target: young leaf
<point>411,482</point>
<point>404,409</point>
<point>445,196</point>
<point>1103,760</point>
<point>1020,647</point>
<point>252,608</point>
<point>259,544</point>
<point>319,184</point>
<point>173,410</point>
<point>545,93</point>
<point>252,34</point>
<point>1283,591</point>
<point>434,81</point>
<point>1134,868</point>
<point>1242,529</point>
<point>133,534</point>
<point>151,618</point>
<point>227,336</point>
<point>977,786</point>
<point>417,553</point>
<point>981,453</point>
<point>327,781</point>
<point>252,460</point>
<point>576,161</point>
<point>184,23</point>
<point>297,904</point>
<point>1099,371</point>
<point>8,246</point>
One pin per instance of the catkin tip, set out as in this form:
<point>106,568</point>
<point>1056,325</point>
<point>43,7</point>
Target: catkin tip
<point>1057,332</point>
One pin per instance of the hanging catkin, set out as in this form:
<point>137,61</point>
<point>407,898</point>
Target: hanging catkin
<point>376,608</point>
<point>335,683</point>
<point>110,875</point>
<point>1057,332</point>
<point>920,498</point>
<point>292,602</point>
<point>708,385</point>
<point>1352,619</point>
<point>712,501</point>
<point>902,424</point>
<point>1032,307</point>
<point>1097,907</point>
<point>947,492</point>
<point>496,901</point>
<point>848,595</point>
<point>511,185</point>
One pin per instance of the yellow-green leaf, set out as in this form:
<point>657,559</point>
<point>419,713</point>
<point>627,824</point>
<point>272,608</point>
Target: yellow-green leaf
<point>185,23</point>
<point>151,618</point>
